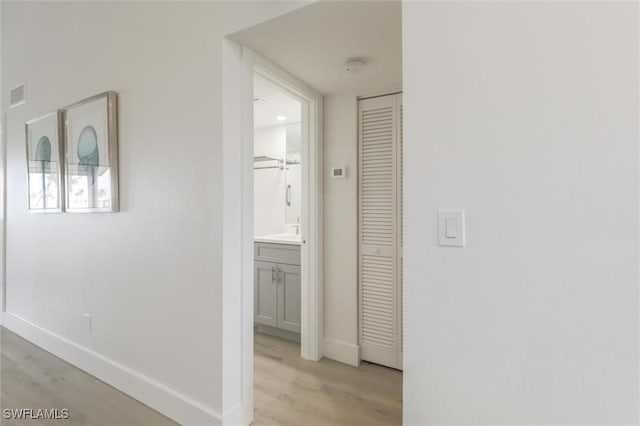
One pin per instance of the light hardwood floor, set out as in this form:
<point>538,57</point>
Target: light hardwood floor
<point>292,391</point>
<point>33,378</point>
<point>289,391</point>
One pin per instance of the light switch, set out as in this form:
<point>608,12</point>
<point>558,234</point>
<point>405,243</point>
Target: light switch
<point>451,227</point>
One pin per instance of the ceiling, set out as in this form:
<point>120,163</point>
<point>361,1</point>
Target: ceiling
<point>313,42</point>
<point>271,101</point>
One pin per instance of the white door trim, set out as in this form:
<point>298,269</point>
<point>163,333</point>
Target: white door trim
<point>237,342</point>
<point>237,307</point>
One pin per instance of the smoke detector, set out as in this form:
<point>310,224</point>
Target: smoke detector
<point>353,65</point>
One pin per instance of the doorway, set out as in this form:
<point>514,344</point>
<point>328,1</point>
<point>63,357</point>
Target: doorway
<point>321,66</point>
<point>277,207</point>
<point>242,65</point>
<point>302,216</point>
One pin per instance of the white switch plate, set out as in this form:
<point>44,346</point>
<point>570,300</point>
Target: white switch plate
<point>451,227</point>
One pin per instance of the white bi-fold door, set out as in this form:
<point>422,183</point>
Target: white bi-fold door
<point>380,229</point>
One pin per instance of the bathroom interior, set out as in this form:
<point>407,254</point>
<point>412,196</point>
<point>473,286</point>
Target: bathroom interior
<point>277,210</point>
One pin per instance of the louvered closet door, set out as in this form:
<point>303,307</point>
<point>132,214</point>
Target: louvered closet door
<point>380,216</point>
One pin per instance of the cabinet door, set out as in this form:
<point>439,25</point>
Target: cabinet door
<point>289,298</point>
<point>266,293</point>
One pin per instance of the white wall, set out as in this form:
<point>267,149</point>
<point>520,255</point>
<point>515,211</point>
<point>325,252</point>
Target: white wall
<point>525,115</point>
<point>341,229</point>
<point>269,184</point>
<point>150,275</point>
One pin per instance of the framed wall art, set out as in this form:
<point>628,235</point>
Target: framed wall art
<point>91,155</point>
<point>44,163</point>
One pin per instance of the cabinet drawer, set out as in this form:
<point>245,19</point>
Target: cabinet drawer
<point>280,253</point>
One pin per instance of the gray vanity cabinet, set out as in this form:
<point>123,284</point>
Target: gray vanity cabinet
<point>277,286</point>
<point>289,298</point>
<point>266,294</point>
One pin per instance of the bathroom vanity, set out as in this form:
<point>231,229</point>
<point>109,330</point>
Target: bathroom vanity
<point>277,285</point>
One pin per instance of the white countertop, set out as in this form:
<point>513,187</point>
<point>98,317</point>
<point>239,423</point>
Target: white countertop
<point>279,239</point>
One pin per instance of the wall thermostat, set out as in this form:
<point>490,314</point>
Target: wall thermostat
<point>339,172</point>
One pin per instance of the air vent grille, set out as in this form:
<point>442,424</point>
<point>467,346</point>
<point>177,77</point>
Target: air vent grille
<point>17,96</point>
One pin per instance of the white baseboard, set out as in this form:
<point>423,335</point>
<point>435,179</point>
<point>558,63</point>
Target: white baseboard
<point>146,390</point>
<point>236,416</point>
<point>272,331</point>
<point>341,351</point>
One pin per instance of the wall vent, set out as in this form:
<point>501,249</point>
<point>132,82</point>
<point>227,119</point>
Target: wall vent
<point>17,96</point>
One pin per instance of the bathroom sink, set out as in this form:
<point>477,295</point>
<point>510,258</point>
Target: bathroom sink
<point>278,238</point>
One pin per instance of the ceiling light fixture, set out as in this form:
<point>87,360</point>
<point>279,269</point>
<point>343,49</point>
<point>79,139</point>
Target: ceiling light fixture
<point>353,65</point>
<point>280,117</point>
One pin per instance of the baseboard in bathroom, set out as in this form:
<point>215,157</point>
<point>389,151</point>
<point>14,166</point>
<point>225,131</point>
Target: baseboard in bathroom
<point>272,331</point>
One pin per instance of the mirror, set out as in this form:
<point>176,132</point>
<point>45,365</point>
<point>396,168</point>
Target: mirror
<point>293,175</point>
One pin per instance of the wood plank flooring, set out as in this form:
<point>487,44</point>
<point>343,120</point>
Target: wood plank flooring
<point>289,391</point>
<point>33,378</point>
<point>292,391</point>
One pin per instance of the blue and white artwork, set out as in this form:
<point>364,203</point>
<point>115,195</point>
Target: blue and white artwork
<point>43,163</point>
<point>91,155</point>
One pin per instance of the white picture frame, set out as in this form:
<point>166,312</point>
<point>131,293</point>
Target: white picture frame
<point>91,155</point>
<point>44,164</point>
